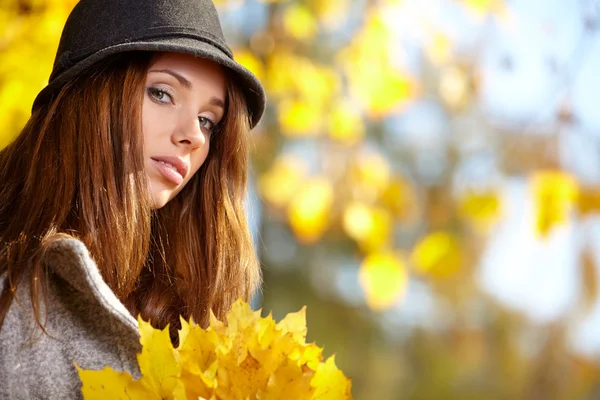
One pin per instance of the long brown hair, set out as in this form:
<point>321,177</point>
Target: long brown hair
<point>76,170</point>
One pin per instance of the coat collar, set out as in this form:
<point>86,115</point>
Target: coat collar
<point>70,260</point>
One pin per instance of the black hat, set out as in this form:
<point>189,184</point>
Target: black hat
<point>96,29</point>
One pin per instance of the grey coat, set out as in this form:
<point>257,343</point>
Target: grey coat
<point>87,323</point>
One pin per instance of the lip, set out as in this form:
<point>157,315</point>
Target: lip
<point>180,165</point>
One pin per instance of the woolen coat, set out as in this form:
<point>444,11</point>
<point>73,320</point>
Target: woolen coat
<point>86,324</point>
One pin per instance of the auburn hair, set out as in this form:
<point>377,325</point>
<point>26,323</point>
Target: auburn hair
<point>76,170</point>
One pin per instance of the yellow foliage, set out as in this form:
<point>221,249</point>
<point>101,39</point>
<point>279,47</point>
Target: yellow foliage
<point>369,175</point>
<point>280,183</point>
<point>157,361</point>
<point>437,254</point>
<point>482,209</point>
<point>481,8</point>
<point>401,199</point>
<point>299,22</point>
<point>25,37</point>
<point>109,384</point>
<point>555,194</point>
<point>331,13</point>
<point>158,365</point>
<point>371,227</point>
<point>292,76</point>
<point>309,210</point>
<point>345,123</point>
<point>248,358</point>
<point>281,70</point>
<point>384,278</point>
<point>381,87</point>
<point>300,118</point>
<point>316,83</point>
<point>251,62</point>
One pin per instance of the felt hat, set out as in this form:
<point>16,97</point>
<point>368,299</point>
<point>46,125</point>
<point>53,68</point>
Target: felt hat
<point>96,29</point>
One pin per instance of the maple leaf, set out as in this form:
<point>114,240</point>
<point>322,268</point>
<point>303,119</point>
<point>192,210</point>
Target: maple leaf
<point>289,378</point>
<point>109,384</point>
<point>295,323</point>
<point>158,365</point>
<point>330,382</point>
<point>247,357</point>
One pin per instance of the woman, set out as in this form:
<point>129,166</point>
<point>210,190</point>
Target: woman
<point>123,194</point>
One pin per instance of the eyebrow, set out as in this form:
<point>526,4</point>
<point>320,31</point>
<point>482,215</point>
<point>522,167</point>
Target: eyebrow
<point>188,85</point>
<point>182,80</point>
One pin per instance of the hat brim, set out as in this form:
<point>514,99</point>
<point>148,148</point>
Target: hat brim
<point>250,85</point>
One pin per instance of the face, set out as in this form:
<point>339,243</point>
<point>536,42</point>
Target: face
<point>183,102</point>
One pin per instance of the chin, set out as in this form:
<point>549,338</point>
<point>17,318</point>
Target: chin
<point>159,200</point>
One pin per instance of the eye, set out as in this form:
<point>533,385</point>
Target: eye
<point>206,123</point>
<point>160,95</point>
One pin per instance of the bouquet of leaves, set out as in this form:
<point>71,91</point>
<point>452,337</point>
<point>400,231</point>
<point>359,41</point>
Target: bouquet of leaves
<point>247,358</point>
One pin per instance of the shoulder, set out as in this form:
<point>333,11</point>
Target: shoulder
<point>85,322</point>
<point>70,260</point>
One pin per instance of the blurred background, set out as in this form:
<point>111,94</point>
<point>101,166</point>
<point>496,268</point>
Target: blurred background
<point>426,180</point>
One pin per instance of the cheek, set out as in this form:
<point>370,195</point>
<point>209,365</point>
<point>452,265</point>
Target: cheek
<point>196,161</point>
<point>198,158</point>
<point>154,121</point>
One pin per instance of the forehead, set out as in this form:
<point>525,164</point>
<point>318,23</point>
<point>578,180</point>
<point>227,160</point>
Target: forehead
<point>195,69</point>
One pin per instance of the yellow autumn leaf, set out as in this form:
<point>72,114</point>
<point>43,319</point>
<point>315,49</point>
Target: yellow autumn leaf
<point>158,365</point>
<point>369,176</point>
<point>246,357</point>
<point>481,8</point>
<point>109,384</point>
<point>374,80</point>
<point>401,199</point>
<point>308,211</point>
<point>330,13</point>
<point>280,183</point>
<point>330,382</point>
<point>482,209</point>
<point>295,323</point>
<point>437,254</point>
<point>358,221</point>
<point>281,68</point>
<point>292,77</point>
<point>299,22</point>
<point>383,277</point>
<point>383,93</point>
<point>251,62</point>
<point>345,123</point>
<point>371,227</point>
<point>316,83</point>
<point>300,118</point>
<point>197,357</point>
<point>289,378</point>
<point>240,380</point>
<point>26,35</point>
<point>555,195</point>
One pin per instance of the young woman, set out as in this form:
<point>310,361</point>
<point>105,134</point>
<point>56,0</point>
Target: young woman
<point>123,195</point>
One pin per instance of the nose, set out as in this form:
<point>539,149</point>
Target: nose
<point>189,134</point>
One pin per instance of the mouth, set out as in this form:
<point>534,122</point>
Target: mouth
<point>173,169</point>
